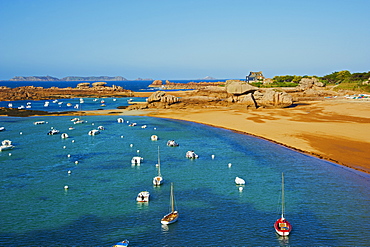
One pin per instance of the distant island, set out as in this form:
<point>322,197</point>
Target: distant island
<point>73,78</point>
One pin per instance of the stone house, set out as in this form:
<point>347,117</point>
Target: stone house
<point>254,76</point>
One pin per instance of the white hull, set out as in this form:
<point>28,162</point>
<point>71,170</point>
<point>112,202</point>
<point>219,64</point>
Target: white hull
<point>143,196</point>
<point>3,148</point>
<point>282,233</point>
<point>164,221</point>
<point>157,181</point>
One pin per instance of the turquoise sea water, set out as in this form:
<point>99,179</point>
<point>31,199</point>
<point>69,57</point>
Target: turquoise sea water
<point>328,205</point>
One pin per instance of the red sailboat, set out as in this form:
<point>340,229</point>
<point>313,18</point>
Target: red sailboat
<point>282,226</point>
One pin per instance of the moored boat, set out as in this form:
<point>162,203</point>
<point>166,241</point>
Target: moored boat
<point>191,155</point>
<point>143,196</point>
<point>154,138</point>
<point>136,160</point>
<point>122,243</point>
<point>239,181</point>
<point>53,132</point>
<point>172,143</point>
<point>173,215</point>
<point>39,122</point>
<point>64,135</point>
<point>158,180</point>
<point>94,132</point>
<point>6,145</point>
<point>282,226</point>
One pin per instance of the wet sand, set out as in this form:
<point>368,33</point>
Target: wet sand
<point>335,130</point>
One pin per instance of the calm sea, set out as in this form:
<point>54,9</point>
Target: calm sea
<point>328,205</point>
<point>137,86</point>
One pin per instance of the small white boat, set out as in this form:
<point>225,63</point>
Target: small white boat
<point>6,145</point>
<point>101,128</point>
<point>94,132</point>
<point>10,105</point>
<point>239,181</point>
<point>53,132</point>
<point>158,180</point>
<point>64,135</point>
<point>136,160</point>
<point>71,128</point>
<point>143,196</point>
<point>191,155</point>
<point>79,121</point>
<point>173,215</point>
<point>122,243</point>
<point>172,143</point>
<point>39,122</point>
<point>132,124</point>
<point>143,127</point>
<point>154,138</point>
<point>120,120</point>
<point>2,128</point>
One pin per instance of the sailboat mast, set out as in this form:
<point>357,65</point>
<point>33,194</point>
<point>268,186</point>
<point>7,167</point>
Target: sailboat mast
<point>159,164</point>
<point>282,195</point>
<point>172,199</point>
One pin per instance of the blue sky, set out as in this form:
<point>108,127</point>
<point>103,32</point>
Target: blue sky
<point>190,39</point>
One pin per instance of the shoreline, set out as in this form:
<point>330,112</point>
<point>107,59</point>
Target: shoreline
<point>332,130</point>
<point>335,131</point>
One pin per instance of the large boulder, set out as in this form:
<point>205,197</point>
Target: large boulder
<point>307,83</point>
<point>83,85</point>
<point>161,96</point>
<point>239,87</point>
<point>99,84</point>
<point>272,98</point>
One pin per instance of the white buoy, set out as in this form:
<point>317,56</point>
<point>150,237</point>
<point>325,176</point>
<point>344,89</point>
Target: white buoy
<point>68,155</point>
<point>131,145</point>
<point>73,140</point>
<point>69,172</point>
<point>20,133</point>
<point>229,165</point>
<point>76,162</point>
<point>10,154</point>
<point>93,124</point>
<point>66,187</point>
<point>64,147</point>
<point>138,151</point>
<point>121,136</point>
<point>240,189</point>
<point>213,156</point>
<point>155,128</point>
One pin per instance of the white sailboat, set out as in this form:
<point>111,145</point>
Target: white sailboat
<point>282,226</point>
<point>172,216</point>
<point>158,180</point>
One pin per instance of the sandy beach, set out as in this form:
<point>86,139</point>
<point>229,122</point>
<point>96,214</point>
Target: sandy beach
<point>335,130</point>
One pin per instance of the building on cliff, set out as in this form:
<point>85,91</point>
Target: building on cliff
<point>254,76</point>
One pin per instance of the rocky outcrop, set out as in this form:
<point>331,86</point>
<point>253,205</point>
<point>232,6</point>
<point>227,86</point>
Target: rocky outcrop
<point>272,98</point>
<point>39,93</point>
<point>83,85</point>
<point>161,96</point>
<point>99,84</point>
<point>239,87</point>
<point>156,83</point>
<point>307,83</point>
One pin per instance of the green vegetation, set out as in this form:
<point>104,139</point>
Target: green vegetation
<point>342,80</point>
<point>274,84</point>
